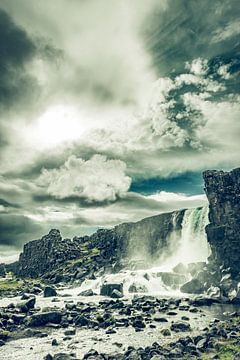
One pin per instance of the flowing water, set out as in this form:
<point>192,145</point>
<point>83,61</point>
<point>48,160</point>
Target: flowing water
<point>187,245</point>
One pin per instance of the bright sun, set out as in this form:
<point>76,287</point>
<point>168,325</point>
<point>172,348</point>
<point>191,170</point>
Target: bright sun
<point>58,124</point>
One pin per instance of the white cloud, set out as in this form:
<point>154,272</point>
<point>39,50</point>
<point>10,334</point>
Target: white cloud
<point>223,33</point>
<point>97,179</point>
<point>198,66</point>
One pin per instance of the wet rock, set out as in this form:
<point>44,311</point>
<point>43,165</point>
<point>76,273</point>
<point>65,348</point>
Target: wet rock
<point>49,291</point>
<point>108,288</point>
<point>166,332</point>
<point>137,323</point>
<point>194,268</point>
<point>180,326</point>
<point>193,286</point>
<point>172,279</point>
<point>180,269</point>
<point>81,320</point>
<point>43,318</point>
<point>64,356</point>
<point>116,294</point>
<point>27,305</point>
<point>54,342</point>
<point>137,288</point>
<point>88,292</point>
<point>70,332</point>
<point>2,343</point>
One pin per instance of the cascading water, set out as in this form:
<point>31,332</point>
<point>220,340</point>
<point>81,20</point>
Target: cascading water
<point>191,244</point>
<point>185,245</point>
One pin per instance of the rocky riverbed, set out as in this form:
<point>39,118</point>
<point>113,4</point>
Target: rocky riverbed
<point>67,325</point>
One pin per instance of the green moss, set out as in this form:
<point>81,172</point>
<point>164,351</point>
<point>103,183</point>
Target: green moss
<point>228,351</point>
<point>95,251</point>
<point>10,284</point>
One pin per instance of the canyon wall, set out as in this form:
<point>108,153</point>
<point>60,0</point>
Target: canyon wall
<point>223,231</point>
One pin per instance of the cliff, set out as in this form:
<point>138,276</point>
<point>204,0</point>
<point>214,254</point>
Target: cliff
<point>223,231</point>
<point>106,246</point>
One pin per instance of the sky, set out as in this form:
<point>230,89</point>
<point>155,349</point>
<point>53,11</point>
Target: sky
<point>110,110</point>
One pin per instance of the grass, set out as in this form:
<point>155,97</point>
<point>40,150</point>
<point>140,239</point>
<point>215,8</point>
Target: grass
<point>10,284</point>
<point>228,351</point>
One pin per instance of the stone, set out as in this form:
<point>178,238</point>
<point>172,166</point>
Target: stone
<point>44,318</point>
<point>25,306</point>
<point>107,288</point>
<point>180,269</point>
<point>116,294</point>
<point>180,326</point>
<point>172,279</point>
<point>81,320</point>
<point>49,291</point>
<point>88,292</point>
<point>193,286</point>
<point>137,288</point>
<point>166,332</point>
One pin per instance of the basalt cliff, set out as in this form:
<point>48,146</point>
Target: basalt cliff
<point>223,231</point>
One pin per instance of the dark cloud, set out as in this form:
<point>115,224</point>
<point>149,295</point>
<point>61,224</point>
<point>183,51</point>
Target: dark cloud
<point>16,50</point>
<point>15,230</point>
<point>187,29</point>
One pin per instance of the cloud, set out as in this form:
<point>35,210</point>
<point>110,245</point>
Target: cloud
<point>95,180</point>
<point>229,30</point>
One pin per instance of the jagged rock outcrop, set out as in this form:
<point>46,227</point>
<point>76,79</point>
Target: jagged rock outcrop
<point>223,231</point>
<point>103,248</point>
<point>47,253</point>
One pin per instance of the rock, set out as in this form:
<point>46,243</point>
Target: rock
<point>172,279</point>
<point>88,292</point>
<point>116,294</point>
<point>107,288</point>
<point>49,291</point>
<point>81,320</point>
<point>180,269</point>
<point>193,286</point>
<point>137,288</point>
<point>214,292</point>
<point>194,268</point>
<point>70,332</point>
<point>180,326</point>
<point>4,335</point>
<point>2,343</point>
<point>166,332</point>
<point>54,342</point>
<point>138,324</point>
<point>43,318</point>
<point>2,270</point>
<point>27,305</point>
<point>63,356</point>
<point>223,191</point>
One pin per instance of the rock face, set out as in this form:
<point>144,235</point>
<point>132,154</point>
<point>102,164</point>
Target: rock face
<point>103,248</point>
<point>43,255</point>
<point>223,232</point>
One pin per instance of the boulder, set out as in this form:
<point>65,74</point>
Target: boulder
<point>172,279</point>
<point>193,286</point>
<point>180,326</point>
<point>88,292</point>
<point>107,288</point>
<point>43,318</point>
<point>137,288</point>
<point>116,294</point>
<point>27,305</point>
<point>49,291</point>
<point>180,269</point>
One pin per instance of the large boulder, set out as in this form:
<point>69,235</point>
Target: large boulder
<point>44,318</point>
<point>108,288</point>
<point>193,286</point>
<point>49,291</point>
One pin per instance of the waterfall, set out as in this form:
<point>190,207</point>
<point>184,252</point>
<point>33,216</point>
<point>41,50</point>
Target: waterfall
<point>193,243</point>
<point>190,245</point>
